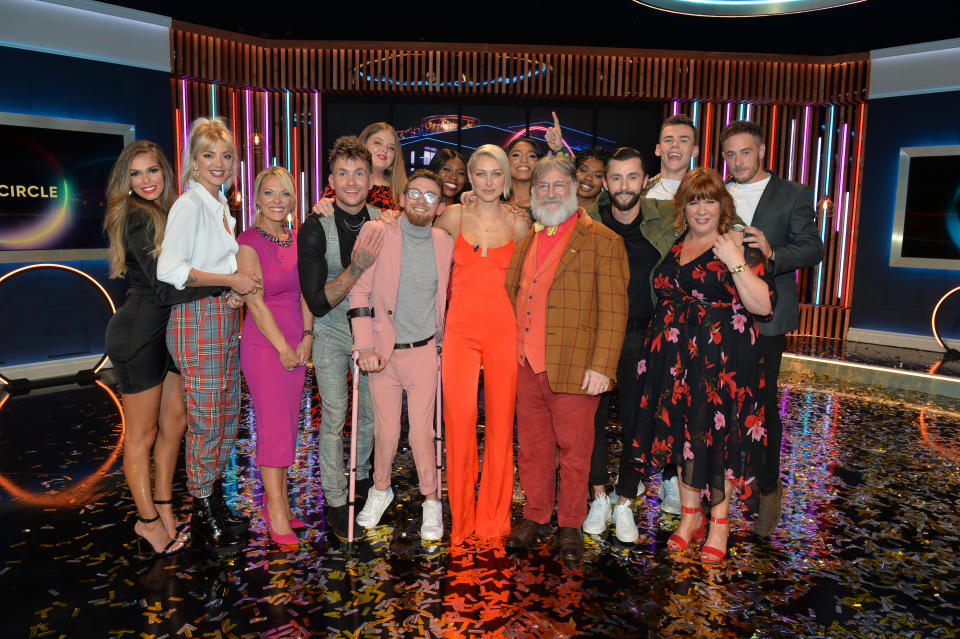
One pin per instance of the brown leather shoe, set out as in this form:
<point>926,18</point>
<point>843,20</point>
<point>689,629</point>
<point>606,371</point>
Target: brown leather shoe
<point>571,544</point>
<point>524,532</point>
<point>768,512</point>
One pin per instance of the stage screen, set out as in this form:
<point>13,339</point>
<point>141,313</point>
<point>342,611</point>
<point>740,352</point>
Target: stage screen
<point>426,127</point>
<point>926,228</point>
<point>53,174</point>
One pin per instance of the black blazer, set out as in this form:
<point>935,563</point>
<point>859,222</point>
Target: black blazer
<point>785,215</point>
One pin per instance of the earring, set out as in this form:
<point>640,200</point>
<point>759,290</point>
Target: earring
<point>130,192</point>
<point>683,227</point>
<point>195,174</point>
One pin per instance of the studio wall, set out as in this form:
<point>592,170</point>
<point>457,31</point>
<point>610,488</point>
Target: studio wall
<point>896,299</point>
<point>49,316</point>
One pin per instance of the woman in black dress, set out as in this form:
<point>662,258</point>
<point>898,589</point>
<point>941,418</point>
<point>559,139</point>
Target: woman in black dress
<point>697,387</point>
<point>139,193</point>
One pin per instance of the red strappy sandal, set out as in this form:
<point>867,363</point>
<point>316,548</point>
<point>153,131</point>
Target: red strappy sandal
<point>709,554</point>
<point>676,542</point>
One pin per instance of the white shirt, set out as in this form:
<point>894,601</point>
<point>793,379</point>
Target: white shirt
<point>195,237</point>
<point>747,196</point>
<point>664,189</point>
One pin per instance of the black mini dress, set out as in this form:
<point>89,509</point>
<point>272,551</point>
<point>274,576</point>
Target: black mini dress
<point>135,339</point>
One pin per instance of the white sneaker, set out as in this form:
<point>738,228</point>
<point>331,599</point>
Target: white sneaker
<point>669,495</point>
<point>599,515</point>
<point>376,504</point>
<point>623,520</point>
<point>432,527</point>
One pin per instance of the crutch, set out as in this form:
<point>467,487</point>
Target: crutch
<point>438,435</point>
<point>352,493</point>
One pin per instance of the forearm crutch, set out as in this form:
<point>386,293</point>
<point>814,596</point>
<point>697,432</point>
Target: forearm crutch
<point>352,493</point>
<point>438,435</point>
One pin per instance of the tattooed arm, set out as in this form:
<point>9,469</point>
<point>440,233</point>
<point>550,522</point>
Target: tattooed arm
<point>364,254</point>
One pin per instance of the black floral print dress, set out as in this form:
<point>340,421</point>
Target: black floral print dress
<point>698,384</point>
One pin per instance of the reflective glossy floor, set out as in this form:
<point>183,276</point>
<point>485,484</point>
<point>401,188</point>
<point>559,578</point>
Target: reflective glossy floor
<point>869,545</point>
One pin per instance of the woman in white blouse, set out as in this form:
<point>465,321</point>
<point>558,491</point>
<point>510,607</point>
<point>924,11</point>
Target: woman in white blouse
<point>199,249</point>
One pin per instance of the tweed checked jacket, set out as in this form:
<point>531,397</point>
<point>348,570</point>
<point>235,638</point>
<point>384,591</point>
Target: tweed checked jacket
<point>586,306</point>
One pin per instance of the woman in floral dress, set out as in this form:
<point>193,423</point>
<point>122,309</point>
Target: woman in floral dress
<point>698,386</point>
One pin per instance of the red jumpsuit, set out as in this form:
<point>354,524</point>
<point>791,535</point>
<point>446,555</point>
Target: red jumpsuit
<point>480,330</point>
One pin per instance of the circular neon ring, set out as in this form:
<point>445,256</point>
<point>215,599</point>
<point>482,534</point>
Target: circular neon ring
<point>63,267</point>
<point>82,491</point>
<point>933,316</point>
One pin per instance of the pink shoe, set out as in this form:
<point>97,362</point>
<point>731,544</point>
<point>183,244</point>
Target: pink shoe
<point>289,539</point>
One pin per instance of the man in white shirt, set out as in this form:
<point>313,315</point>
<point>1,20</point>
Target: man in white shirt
<point>676,148</point>
<point>782,224</point>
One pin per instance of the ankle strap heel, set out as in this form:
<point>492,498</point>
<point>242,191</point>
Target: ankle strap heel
<point>691,511</point>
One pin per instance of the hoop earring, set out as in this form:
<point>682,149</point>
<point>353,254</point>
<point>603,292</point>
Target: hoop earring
<point>195,173</point>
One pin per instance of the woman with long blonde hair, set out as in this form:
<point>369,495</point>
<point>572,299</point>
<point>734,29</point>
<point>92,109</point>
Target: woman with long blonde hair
<point>139,193</point>
<point>203,335</point>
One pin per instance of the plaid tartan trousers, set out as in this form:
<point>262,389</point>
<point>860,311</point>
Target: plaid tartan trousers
<point>203,338</point>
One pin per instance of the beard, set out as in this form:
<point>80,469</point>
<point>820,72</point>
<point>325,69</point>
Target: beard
<point>621,206</point>
<point>563,208</point>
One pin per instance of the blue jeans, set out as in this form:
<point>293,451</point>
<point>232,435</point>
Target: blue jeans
<point>332,358</point>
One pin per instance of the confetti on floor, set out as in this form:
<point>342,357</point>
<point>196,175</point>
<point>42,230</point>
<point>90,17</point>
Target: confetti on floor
<point>869,544</point>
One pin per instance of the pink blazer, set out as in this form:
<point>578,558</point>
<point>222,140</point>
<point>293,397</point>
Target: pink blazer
<point>377,289</point>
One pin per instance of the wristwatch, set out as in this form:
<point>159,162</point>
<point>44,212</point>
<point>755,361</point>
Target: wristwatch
<point>739,269</point>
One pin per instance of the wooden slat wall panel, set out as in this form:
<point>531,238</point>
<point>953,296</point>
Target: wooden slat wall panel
<point>444,70</point>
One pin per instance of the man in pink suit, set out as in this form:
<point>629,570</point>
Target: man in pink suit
<point>396,309</point>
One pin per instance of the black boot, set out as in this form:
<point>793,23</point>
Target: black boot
<point>206,527</point>
<point>235,525</point>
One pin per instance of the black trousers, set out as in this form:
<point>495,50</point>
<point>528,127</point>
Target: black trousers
<point>771,353</point>
<point>626,390</point>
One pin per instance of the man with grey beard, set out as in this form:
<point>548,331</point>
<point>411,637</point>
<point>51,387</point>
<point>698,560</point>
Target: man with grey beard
<point>567,281</point>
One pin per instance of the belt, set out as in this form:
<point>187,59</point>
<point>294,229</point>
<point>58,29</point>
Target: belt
<point>423,342</point>
<point>638,325</point>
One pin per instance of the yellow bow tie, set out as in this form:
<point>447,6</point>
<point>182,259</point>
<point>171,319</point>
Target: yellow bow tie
<point>551,230</point>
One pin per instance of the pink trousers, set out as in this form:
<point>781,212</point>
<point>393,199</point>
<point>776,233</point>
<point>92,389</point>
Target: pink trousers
<point>413,370</point>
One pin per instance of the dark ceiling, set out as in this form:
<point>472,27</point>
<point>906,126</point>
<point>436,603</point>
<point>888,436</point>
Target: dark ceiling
<point>871,24</point>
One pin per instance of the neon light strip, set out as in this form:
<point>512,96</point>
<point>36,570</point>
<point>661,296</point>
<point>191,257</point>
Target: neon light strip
<point>243,191</point>
<point>841,172</point>
<point>675,108</point>
<point>707,121</point>
<point>288,129</point>
<point>771,150</point>
<point>793,149</point>
<point>826,166</point>
<point>726,120</point>
<point>806,145</point>
<point>822,221</point>
<point>266,127</point>
<point>741,111</point>
<point>303,200</point>
<point>213,100</point>
<point>694,116</point>
<point>854,180</point>
<point>749,111</point>
<point>178,141</point>
<point>316,145</point>
<point>843,247</point>
<point>247,143</point>
<point>183,106</point>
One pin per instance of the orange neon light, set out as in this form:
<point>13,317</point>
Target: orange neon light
<point>82,492</point>
<point>63,267</point>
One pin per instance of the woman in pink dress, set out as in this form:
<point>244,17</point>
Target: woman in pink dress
<point>276,342</point>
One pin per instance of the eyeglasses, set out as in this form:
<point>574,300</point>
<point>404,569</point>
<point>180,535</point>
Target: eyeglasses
<point>428,196</point>
<point>543,187</point>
